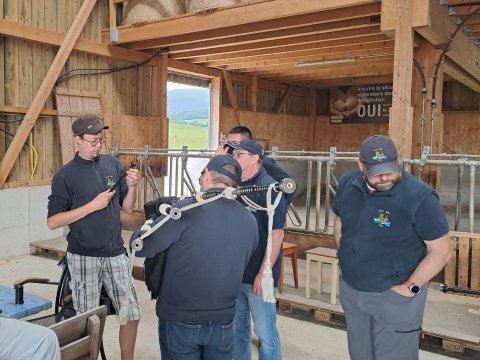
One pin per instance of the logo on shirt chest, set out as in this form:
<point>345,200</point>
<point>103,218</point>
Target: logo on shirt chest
<point>382,219</point>
<point>110,181</point>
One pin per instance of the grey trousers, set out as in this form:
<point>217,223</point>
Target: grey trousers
<point>382,326</point>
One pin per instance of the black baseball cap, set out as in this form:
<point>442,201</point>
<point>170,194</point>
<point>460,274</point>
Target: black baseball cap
<point>87,124</point>
<point>248,145</point>
<point>379,154</point>
<point>218,162</point>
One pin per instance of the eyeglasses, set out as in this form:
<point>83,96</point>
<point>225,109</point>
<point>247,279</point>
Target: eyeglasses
<point>238,154</point>
<point>96,141</point>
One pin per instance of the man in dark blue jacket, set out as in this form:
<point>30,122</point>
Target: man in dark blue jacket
<point>207,251</point>
<point>391,235</point>
<point>82,199</point>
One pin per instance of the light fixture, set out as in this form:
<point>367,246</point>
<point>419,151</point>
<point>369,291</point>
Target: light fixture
<point>325,62</point>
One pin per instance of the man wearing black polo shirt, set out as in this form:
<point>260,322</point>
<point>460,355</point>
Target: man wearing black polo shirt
<point>208,248</point>
<point>391,235</point>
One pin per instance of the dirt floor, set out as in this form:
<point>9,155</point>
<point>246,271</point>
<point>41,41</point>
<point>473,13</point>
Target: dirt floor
<point>302,338</point>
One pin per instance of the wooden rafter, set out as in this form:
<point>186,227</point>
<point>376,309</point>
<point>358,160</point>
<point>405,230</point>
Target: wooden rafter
<point>44,91</point>
<point>231,94</point>
<point>283,100</point>
<point>222,17</point>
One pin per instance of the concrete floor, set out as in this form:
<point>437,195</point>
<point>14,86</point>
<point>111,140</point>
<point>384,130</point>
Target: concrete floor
<point>300,339</point>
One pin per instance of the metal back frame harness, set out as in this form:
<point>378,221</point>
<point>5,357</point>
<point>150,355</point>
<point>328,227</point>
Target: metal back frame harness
<point>154,268</point>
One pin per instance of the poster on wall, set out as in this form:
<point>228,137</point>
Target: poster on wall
<point>360,104</point>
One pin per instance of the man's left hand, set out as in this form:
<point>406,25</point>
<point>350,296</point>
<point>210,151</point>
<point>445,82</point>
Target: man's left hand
<point>402,290</point>
<point>257,284</point>
<point>133,175</point>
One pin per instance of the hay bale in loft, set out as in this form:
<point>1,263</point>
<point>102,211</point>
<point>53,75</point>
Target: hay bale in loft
<point>137,11</point>
<point>202,5</point>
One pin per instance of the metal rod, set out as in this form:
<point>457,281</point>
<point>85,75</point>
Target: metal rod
<point>309,194</point>
<point>471,200</point>
<point>458,209</point>
<point>318,195</point>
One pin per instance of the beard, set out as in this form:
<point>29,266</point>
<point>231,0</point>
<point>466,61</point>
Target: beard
<point>385,185</point>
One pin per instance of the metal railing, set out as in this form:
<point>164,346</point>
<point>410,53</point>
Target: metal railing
<point>320,183</point>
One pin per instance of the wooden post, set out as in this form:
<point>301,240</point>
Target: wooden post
<point>215,101</point>
<point>252,93</point>
<point>44,91</point>
<point>401,113</point>
<point>231,94</point>
<point>159,103</point>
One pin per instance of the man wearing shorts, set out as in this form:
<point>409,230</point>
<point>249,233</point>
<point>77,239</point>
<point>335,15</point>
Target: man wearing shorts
<point>81,198</point>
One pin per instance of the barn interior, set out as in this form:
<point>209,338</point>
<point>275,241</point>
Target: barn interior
<point>283,68</point>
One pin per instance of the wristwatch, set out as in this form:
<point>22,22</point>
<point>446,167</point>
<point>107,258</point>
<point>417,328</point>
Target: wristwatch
<point>414,288</point>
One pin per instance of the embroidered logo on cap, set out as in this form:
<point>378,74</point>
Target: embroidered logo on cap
<point>382,219</point>
<point>379,155</point>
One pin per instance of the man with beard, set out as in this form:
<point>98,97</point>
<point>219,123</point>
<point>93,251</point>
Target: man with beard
<point>391,235</point>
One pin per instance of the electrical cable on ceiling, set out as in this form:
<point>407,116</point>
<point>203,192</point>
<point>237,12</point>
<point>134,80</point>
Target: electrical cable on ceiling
<point>85,72</point>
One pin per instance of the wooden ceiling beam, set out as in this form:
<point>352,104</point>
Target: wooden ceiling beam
<point>295,32</point>
<point>332,52</point>
<point>432,21</point>
<point>456,72</point>
<point>370,67</point>
<point>33,34</point>
<point>292,51</point>
<point>224,17</point>
<point>193,69</point>
<point>263,28</point>
<point>346,81</point>
<point>297,41</point>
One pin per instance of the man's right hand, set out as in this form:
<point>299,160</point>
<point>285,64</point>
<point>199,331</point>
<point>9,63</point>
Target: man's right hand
<point>102,200</point>
<point>220,149</point>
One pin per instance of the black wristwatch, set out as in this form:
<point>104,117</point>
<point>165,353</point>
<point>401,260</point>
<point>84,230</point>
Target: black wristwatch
<point>414,288</point>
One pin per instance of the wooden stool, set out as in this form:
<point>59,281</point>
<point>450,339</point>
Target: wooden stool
<point>323,255</point>
<point>289,250</point>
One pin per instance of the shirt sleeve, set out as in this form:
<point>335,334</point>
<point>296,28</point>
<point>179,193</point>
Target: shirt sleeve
<point>430,220</point>
<point>60,199</point>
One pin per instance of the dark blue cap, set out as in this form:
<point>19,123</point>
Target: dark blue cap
<point>248,145</point>
<point>218,162</point>
<point>379,155</point>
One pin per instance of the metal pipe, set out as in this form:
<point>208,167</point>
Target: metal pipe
<point>309,194</point>
<point>327,197</point>
<point>318,194</point>
<point>458,209</point>
<point>176,175</point>
<point>471,202</point>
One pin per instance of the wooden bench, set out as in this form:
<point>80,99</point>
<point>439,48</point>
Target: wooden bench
<point>289,250</point>
<point>80,336</point>
<point>323,256</point>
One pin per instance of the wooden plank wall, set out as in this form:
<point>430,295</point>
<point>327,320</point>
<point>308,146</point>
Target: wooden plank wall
<point>23,66</point>
<point>459,125</point>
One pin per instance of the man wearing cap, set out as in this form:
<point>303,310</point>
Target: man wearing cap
<point>250,301</point>
<point>82,199</point>
<point>239,133</point>
<point>391,235</point>
<point>208,248</point>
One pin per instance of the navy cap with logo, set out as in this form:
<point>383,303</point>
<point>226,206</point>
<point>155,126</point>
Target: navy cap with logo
<point>248,145</point>
<point>379,155</point>
<point>218,163</point>
<point>87,124</point>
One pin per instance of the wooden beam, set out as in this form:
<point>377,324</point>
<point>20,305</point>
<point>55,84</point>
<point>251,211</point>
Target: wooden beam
<point>371,50</point>
<point>44,91</point>
<point>346,81</point>
<point>252,91</point>
<point>287,51</point>
<point>296,34</point>
<point>231,94</point>
<point>283,100</point>
<point>276,27</point>
<point>350,34</point>
<point>193,69</point>
<point>223,17</point>
<point>452,69</point>
<point>22,110</point>
<point>24,32</point>
<point>401,112</point>
<point>434,23</point>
